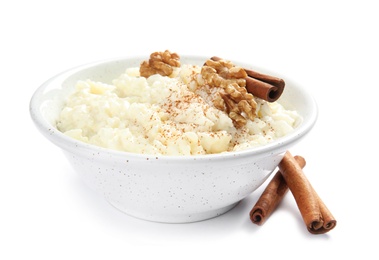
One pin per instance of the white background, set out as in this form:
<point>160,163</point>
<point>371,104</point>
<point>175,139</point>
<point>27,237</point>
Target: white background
<point>329,47</point>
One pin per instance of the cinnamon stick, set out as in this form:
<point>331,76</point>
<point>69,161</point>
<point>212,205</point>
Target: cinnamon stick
<point>271,196</point>
<point>263,86</point>
<point>317,217</point>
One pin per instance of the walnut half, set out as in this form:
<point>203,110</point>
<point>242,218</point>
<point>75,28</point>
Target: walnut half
<point>160,63</point>
<point>233,97</point>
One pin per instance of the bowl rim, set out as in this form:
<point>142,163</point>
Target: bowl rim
<point>60,139</point>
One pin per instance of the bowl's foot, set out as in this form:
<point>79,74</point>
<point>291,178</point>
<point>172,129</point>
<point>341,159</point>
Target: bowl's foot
<point>174,217</point>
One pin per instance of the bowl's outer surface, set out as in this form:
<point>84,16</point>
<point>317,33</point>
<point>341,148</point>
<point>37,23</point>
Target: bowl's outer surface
<point>173,189</point>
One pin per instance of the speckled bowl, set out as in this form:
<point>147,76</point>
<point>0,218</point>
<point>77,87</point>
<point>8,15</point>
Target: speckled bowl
<point>171,189</point>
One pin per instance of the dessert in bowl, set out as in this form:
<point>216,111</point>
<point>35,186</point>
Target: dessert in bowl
<point>153,156</point>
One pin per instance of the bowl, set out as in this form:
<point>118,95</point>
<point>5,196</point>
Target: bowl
<point>169,189</point>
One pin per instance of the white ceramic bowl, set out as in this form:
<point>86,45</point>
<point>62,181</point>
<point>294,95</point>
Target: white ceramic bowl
<point>172,189</point>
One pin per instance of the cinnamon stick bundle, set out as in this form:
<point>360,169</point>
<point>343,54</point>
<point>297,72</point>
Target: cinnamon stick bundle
<point>271,196</point>
<point>263,86</point>
<point>290,176</point>
<point>316,215</point>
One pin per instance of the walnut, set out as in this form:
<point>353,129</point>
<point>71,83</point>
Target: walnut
<point>227,69</point>
<point>222,73</point>
<point>233,97</point>
<point>160,63</point>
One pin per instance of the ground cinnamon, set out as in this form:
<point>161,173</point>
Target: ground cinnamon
<point>262,86</point>
<point>316,215</point>
<point>271,196</point>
